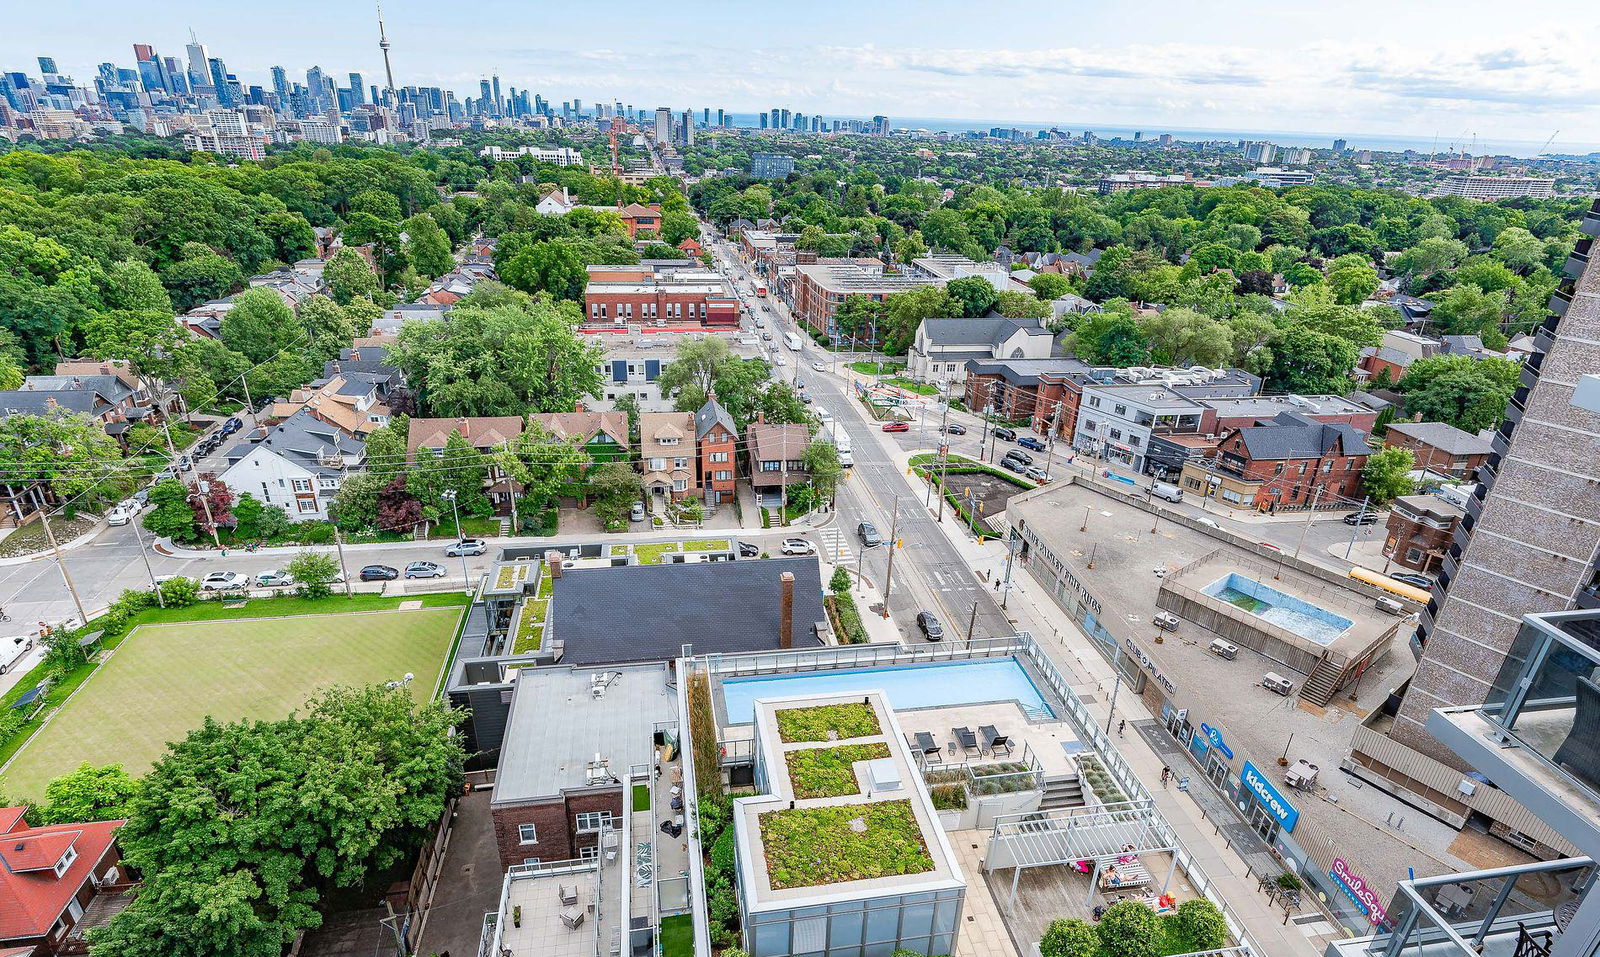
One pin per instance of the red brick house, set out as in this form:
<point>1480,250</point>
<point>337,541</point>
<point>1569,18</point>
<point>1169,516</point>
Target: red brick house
<point>426,438</point>
<point>637,216</point>
<point>620,296</point>
<point>1287,461</point>
<point>717,440</point>
<point>1420,530</point>
<point>1438,447</point>
<point>52,876</point>
<point>692,247</point>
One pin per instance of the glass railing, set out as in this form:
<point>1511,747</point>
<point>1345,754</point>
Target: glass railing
<point>1490,913</point>
<point>1547,696</point>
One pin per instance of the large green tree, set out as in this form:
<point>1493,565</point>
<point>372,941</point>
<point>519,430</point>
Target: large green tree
<point>260,326</point>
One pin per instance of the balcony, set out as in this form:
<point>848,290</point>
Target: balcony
<point>1579,259</point>
<point>1558,305</point>
<point>1518,911</point>
<point>1591,223</point>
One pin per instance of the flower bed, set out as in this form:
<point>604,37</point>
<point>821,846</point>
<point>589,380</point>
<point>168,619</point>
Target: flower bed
<point>806,847</point>
<point>813,724</point>
<point>846,618</point>
<point>1100,780</point>
<point>830,772</point>
<point>1003,778</point>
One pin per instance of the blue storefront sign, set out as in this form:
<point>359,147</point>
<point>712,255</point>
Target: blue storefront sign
<point>1215,737</point>
<point>1286,814</point>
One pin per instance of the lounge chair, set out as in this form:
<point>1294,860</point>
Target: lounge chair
<point>926,744</point>
<point>1580,752</point>
<point>967,740</point>
<point>568,894</point>
<point>572,917</point>
<point>993,740</point>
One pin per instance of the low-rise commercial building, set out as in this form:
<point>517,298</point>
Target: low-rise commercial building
<point>1288,461</point>
<point>1420,531</point>
<point>1439,447</point>
<point>680,294</point>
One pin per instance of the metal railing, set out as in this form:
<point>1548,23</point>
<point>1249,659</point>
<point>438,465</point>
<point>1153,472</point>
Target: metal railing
<point>1546,701</point>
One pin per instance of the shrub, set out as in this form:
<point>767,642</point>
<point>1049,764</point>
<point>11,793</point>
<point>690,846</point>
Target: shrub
<point>1198,925</point>
<point>948,797</point>
<point>830,772</point>
<point>722,851</point>
<point>180,592</point>
<point>1069,937</point>
<point>840,582</point>
<point>1128,929</point>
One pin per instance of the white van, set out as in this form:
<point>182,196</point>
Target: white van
<point>1166,490</point>
<point>846,459</point>
<point>12,651</point>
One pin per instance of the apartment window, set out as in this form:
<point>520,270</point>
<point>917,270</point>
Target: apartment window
<point>771,466</point>
<point>306,505</point>
<point>590,853</point>
<point>723,475</point>
<point>527,834</point>
<point>658,465</point>
<point>1349,465</point>
<point>680,485</point>
<point>1094,400</point>
<point>1088,425</point>
<point>530,860</point>
<point>1133,440</point>
<point>1413,554</point>
<point>594,310</point>
<point>594,820</point>
<point>719,456</point>
<point>66,861</point>
<point>669,440</point>
<point>604,310</point>
<point>1121,409</point>
<point>1277,469</point>
<point>1116,434</point>
<point>302,485</point>
<point>1301,470</point>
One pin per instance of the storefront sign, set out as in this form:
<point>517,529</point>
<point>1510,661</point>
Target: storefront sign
<point>1357,890</point>
<point>1286,814</point>
<point>1149,666</point>
<point>1215,737</point>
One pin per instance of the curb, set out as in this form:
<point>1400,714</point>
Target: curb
<point>46,553</point>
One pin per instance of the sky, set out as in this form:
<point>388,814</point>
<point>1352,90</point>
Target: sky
<point>1393,68</point>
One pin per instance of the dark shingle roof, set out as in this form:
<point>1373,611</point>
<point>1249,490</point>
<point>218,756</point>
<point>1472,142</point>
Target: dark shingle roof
<point>978,332</point>
<point>711,414</point>
<point>648,612</point>
<point>1292,435</point>
<point>1444,437</point>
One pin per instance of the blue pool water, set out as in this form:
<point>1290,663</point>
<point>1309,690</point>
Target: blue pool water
<point>916,686</point>
<point>1309,621</point>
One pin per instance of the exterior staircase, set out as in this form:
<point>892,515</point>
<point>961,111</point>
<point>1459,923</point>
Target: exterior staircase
<point>505,526</point>
<point>1062,790</point>
<point>1319,686</point>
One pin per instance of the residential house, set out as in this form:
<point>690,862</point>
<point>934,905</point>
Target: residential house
<point>1439,447</point>
<point>52,876</point>
<point>397,315</point>
<point>297,466</point>
<point>692,247</point>
<point>777,459</point>
<point>349,405</point>
<point>716,441</point>
<point>632,369</point>
<point>666,449</point>
<point>1394,354</point>
<point>85,402</point>
<point>604,435</point>
<point>365,362</point>
<point>636,216</point>
<point>557,202</point>
<point>161,399</point>
<point>1288,461</point>
<point>1420,531</point>
<point>426,440</point>
<point>941,348</point>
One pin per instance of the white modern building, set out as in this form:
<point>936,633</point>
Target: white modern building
<point>1116,421</point>
<point>1498,187</point>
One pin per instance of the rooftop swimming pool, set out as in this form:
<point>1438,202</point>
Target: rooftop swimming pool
<point>1309,621</point>
<point>907,687</point>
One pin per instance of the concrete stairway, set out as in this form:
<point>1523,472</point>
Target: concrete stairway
<point>1062,790</point>
<point>1319,685</point>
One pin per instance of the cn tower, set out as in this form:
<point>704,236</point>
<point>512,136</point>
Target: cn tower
<point>383,44</point>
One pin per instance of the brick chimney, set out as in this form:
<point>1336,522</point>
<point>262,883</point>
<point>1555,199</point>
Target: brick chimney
<point>786,610</point>
<point>553,559</point>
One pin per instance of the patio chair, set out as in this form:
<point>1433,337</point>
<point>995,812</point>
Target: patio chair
<point>926,744</point>
<point>967,740</point>
<point>993,740</point>
<point>573,918</point>
<point>1580,753</point>
<point>568,893</point>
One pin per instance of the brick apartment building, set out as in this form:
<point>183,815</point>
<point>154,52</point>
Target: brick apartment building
<point>1420,530</point>
<point>620,296</point>
<point>1440,448</point>
<point>1288,461</point>
<point>820,288</point>
<point>717,447</point>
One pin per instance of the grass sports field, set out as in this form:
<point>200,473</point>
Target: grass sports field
<point>163,680</point>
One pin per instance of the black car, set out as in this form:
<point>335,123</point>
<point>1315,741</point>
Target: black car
<point>379,573</point>
<point>1361,518</point>
<point>749,550</point>
<point>1413,579</point>
<point>1017,455</point>
<point>1014,465</point>
<point>930,626</point>
<point>869,535</point>
<point>955,428</point>
<point>1005,435</point>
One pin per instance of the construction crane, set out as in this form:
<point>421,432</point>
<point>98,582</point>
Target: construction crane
<point>1546,147</point>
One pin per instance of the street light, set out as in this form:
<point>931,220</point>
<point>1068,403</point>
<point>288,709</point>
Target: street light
<point>449,495</point>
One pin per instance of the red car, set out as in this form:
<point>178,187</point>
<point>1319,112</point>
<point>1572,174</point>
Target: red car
<point>897,427</point>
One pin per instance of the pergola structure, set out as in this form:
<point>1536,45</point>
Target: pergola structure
<point>1099,836</point>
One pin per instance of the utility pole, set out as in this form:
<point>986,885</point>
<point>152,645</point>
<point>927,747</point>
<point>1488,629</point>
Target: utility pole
<point>1317,494</point>
<point>50,535</point>
<point>205,506</point>
<point>249,405</point>
<point>1357,526</point>
<point>1050,440</point>
<point>154,585</point>
<point>894,542</point>
<point>344,570</point>
<point>984,413</point>
<point>972,623</point>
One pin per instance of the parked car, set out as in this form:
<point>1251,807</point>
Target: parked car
<point>233,425</point>
<point>1005,435</point>
<point>637,513</point>
<point>185,463</point>
<point>868,533</point>
<point>1014,465</point>
<point>749,550</point>
<point>806,398</point>
<point>1368,517</point>
<point>1208,523</point>
<point>780,361</point>
<point>379,573</point>
<point>1036,473</point>
<point>1412,579</point>
<point>1029,442</point>
<point>954,428</point>
<point>1017,455</point>
<point>467,546</point>
<point>222,581</point>
<point>930,626</point>
<point>798,546</point>
<point>274,579</point>
<point>118,516</point>
<point>897,427</point>
<point>818,366</point>
<point>424,570</point>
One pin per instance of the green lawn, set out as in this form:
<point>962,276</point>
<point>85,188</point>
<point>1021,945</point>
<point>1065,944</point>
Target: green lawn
<point>655,554</point>
<point>677,936</point>
<point>866,367</point>
<point>164,679</point>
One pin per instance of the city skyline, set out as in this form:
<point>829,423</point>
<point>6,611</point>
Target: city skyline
<point>1451,82</point>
